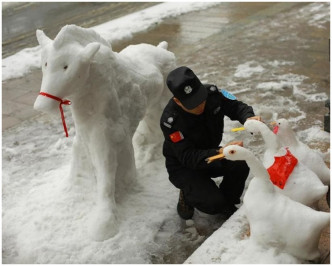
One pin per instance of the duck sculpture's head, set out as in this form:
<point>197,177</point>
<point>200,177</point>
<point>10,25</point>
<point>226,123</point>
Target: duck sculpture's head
<point>281,125</point>
<point>253,126</point>
<point>236,153</point>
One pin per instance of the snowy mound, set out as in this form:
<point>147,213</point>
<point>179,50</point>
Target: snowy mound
<point>231,244</point>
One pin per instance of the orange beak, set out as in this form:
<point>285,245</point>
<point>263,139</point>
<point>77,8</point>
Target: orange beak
<point>273,123</point>
<point>215,157</point>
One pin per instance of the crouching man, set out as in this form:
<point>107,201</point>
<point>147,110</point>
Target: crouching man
<point>192,124</point>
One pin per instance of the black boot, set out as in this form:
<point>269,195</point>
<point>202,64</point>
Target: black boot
<point>185,211</point>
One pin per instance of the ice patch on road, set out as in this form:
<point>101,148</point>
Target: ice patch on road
<point>317,14</point>
<point>248,69</point>
<point>276,63</point>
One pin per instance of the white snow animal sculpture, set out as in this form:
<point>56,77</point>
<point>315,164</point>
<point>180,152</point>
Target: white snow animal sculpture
<point>276,220</point>
<point>307,156</point>
<point>272,143</point>
<point>110,94</point>
<point>303,185</point>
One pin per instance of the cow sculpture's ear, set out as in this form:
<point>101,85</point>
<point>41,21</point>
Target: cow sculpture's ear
<point>89,51</point>
<point>42,38</point>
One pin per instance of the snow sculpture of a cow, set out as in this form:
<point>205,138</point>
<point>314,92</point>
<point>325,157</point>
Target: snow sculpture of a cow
<point>110,94</point>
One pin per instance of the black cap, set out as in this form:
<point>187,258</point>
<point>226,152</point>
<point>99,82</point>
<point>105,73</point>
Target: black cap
<point>186,87</point>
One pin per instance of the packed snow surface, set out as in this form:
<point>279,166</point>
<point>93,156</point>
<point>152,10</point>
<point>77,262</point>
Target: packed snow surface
<point>231,245</point>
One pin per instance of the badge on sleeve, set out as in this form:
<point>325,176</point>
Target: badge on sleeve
<point>176,136</point>
<point>228,95</point>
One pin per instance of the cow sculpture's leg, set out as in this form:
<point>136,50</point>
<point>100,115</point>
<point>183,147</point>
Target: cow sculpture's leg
<point>126,171</point>
<point>75,160</point>
<point>103,223</point>
<point>148,136</point>
<point>81,162</point>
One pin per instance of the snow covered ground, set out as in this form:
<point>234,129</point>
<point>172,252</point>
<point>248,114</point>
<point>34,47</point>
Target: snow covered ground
<point>231,245</point>
<point>44,218</point>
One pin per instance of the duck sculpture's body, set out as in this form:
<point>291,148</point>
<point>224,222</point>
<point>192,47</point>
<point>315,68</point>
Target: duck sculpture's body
<point>276,220</point>
<point>303,185</point>
<point>304,154</point>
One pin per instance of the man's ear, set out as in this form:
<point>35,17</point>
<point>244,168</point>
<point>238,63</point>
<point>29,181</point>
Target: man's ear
<point>89,51</point>
<point>42,38</point>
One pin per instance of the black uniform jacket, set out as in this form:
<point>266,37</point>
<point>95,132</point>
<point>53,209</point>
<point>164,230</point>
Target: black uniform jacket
<point>189,138</point>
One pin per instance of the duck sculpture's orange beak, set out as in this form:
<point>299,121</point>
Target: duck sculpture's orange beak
<point>215,157</point>
<point>237,129</point>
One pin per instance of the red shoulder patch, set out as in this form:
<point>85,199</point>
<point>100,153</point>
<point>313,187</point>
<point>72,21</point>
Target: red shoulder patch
<point>176,136</point>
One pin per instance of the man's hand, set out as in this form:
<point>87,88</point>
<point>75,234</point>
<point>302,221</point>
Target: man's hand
<point>238,143</point>
<point>255,118</point>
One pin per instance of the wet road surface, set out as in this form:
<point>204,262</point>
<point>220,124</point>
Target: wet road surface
<point>20,20</point>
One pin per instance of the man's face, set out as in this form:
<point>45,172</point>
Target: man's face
<point>197,110</point>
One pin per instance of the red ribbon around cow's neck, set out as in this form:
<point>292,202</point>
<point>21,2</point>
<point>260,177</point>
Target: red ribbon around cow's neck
<point>65,102</point>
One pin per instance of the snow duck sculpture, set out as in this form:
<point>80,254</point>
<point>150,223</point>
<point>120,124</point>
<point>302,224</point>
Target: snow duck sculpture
<point>272,143</point>
<point>110,93</point>
<point>276,220</point>
<point>307,156</point>
<point>302,185</point>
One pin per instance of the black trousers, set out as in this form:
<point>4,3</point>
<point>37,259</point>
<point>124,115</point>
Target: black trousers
<point>201,192</point>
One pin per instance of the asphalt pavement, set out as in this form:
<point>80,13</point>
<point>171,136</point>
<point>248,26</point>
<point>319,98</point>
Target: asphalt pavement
<point>21,19</point>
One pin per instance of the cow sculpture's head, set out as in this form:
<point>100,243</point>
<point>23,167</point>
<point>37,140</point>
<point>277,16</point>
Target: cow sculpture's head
<point>65,66</point>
